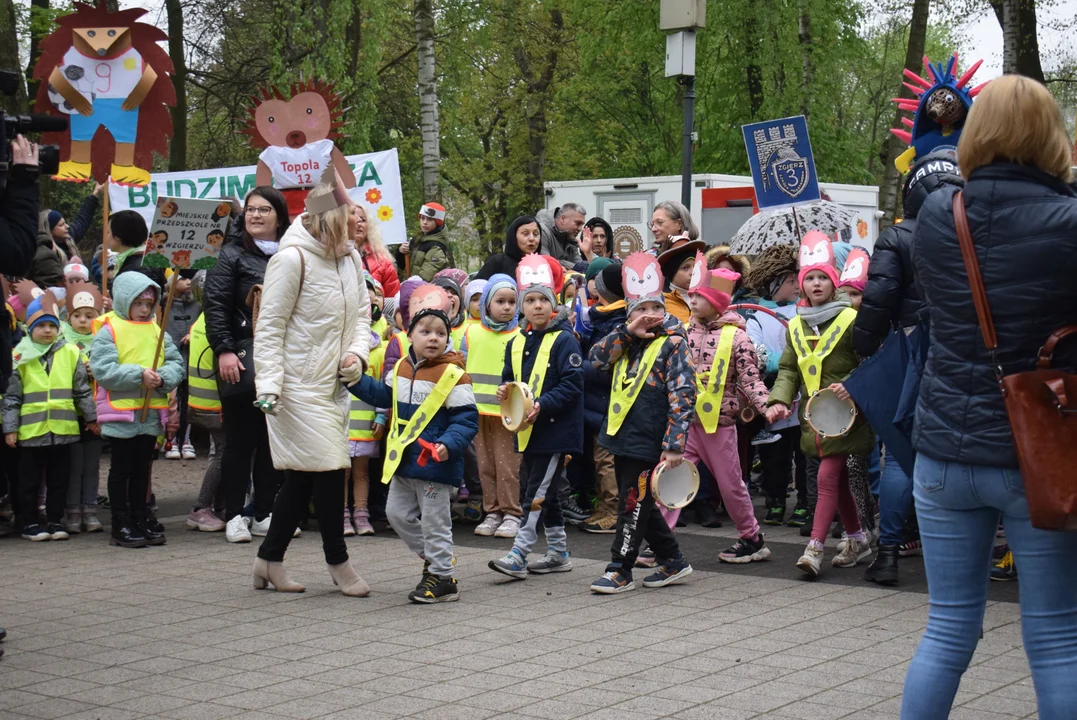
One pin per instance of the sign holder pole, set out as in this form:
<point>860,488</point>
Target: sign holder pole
<point>106,236</point>
<point>160,343</point>
<point>689,84</point>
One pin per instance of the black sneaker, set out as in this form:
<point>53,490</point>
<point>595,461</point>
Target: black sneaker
<point>668,572</point>
<point>806,528</point>
<point>910,547</point>
<point>775,514</point>
<point>1005,569</point>
<point>646,559</point>
<point>799,518</point>
<point>57,531</point>
<point>434,589</point>
<point>746,551</point>
<point>35,533</point>
<point>572,511</point>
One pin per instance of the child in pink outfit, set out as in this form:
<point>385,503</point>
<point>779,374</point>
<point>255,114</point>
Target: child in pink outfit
<point>716,335</point>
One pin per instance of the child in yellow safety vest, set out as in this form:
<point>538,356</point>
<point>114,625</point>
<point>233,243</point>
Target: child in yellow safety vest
<point>434,419</point>
<point>84,304</point>
<point>122,360</point>
<point>46,394</point>
<point>725,363</point>
<point>499,465</point>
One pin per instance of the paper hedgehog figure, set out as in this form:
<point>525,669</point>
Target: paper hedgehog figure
<point>297,130</point>
<point>942,103</point>
<point>642,277</point>
<point>533,270</point>
<point>107,73</point>
<point>428,297</point>
<point>699,272</point>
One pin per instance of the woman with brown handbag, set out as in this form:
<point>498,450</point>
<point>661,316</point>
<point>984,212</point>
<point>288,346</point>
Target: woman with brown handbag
<point>1015,155</point>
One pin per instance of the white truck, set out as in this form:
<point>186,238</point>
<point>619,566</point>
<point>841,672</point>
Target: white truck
<point>720,203</point>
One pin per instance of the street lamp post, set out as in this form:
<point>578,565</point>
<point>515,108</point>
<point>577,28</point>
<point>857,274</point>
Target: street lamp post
<point>683,17</point>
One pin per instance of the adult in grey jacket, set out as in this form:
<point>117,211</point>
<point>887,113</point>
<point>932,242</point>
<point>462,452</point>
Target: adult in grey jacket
<point>1016,155</point>
<point>559,230</point>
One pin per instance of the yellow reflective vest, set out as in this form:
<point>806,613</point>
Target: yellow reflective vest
<point>485,363</point>
<point>136,343</point>
<point>810,359</point>
<point>711,387</point>
<point>361,416</point>
<point>48,405</point>
<point>624,392</point>
<point>202,393</point>
<point>538,370</point>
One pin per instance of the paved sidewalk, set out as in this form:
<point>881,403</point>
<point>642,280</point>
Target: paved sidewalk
<point>178,632</point>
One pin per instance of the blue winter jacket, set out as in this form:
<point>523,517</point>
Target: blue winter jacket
<point>597,383</point>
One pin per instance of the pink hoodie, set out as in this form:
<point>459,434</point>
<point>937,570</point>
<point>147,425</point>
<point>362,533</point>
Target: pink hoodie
<point>743,370</point>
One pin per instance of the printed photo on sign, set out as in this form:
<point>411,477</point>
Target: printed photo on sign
<point>187,233</point>
<point>783,168</point>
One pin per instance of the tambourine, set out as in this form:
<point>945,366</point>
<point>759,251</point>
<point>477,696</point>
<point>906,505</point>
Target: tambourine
<point>517,404</point>
<point>675,488</point>
<point>828,415</point>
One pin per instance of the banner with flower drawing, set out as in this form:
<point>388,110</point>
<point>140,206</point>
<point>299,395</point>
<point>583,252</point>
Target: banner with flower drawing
<point>377,190</point>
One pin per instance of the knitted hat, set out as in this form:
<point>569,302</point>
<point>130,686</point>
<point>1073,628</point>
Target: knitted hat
<point>457,275</point>
<point>475,287</point>
<point>720,253</point>
<point>404,297</point>
<point>43,308</point>
<point>855,273</point>
<point>535,274</point>
<point>717,288</point>
<point>434,211</point>
<point>149,293</point>
<point>428,300</point>
<point>55,216</point>
<point>450,286</point>
<point>816,253</point>
<point>75,270</point>
<point>642,279</point>
<point>497,281</point>
<point>596,266</point>
<point>609,284</point>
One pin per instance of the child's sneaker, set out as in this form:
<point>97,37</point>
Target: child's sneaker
<point>646,559</point>
<point>668,573</point>
<point>172,451</point>
<point>775,513</point>
<point>35,533</point>
<point>91,524</point>
<point>746,550</point>
<point>604,524</point>
<point>553,561</point>
<point>1004,570</point>
<point>361,522</point>
<point>73,521</point>
<point>188,451</point>
<point>613,583</point>
<point>204,521</point>
<point>765,438</point>
<point>855,550</point>
<point>473,510</point>
<point>509,527</point>
<point>489,526</point>
<point>56,531</point>
<point>911,547</point>
<point>237,530</point>
<point>812,559</point>
<point>434,589</point>
<point>349,531</point>
<point>799,518</point>
<point>513,564</point>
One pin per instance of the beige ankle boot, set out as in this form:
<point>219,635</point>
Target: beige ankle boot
<point>274,574</point>
<point>348,580</point>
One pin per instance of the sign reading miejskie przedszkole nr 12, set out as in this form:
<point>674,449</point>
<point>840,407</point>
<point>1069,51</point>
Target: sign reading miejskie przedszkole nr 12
<point>783,168</point>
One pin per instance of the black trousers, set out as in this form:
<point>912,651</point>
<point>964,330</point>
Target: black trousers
<point>778,460</point>
<point>129,473</point>
<point>54,461</point>
<point>247,437</point>
<point>637,517</point>
<point>327,489</point>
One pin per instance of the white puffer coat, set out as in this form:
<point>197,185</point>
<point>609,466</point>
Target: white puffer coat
<point>299,343</point>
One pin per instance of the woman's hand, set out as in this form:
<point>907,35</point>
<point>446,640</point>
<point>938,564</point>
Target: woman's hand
<point>98,190</point>
<point>840,391</point>
<point>672,459</point>
<point>229,367</point>
<point>151,380</point>
<point>777,413</point>
<point>586,243</point>
<point>23,152</point>
<point>269,404</point>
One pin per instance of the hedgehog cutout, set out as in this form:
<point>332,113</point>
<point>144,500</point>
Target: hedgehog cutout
<point>533,270</point>
<point>699,271</point>
<point>641,276</point>
<point>108,75</point>
<point>297,130</point>
<point>939,111</point>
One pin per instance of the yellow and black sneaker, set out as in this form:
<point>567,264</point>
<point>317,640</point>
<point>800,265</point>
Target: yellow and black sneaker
<point>1005,569</point>
<point>435,589</point>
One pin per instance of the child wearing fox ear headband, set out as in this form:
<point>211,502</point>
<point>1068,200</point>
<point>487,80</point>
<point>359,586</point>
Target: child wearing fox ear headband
<point>819,354</point>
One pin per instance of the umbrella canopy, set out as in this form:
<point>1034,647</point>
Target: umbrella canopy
<point>777,227</point>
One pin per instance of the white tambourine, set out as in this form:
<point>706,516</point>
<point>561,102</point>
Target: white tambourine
<point>675,488</point>
<point>828,415</point>
<point>517,404</point>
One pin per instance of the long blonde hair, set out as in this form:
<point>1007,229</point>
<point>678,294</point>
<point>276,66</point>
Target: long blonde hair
<point>373,237</point>
<point>329,228</point>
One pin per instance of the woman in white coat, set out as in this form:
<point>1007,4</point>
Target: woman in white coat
<point>312,333</point>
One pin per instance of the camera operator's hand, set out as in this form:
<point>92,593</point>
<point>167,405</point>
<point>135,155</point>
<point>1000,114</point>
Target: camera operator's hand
<point>23,152</point>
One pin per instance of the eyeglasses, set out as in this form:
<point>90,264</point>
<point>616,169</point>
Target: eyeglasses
<point>258,210</point>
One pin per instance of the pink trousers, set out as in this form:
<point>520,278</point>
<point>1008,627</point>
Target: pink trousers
<point>719,452</point>
<point>834,494</point>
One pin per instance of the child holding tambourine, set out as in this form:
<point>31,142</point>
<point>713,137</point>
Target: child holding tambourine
<point>819,355</point>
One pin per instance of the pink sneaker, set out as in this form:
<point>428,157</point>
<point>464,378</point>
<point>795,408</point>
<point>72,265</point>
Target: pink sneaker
<point>361,520</point>
<point>348,529</point>
<point>205,521</point>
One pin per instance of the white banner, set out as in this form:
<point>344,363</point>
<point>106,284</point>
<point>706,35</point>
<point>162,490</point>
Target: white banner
<point>377,190</point>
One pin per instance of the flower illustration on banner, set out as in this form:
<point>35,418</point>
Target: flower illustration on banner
<point>373,196</point>
<point>385,213</point>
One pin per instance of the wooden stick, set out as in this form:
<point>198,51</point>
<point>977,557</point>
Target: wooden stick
<point>106,235</point>
<point>160,345</point>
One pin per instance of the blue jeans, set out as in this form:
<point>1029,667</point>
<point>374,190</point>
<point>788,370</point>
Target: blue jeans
<point>874,472</point>
<point>959,508</point>
<point>895,501</point>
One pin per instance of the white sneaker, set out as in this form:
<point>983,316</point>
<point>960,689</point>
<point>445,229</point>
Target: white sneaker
<point>853,552</point>
<point>188,451</point>
<point>212,446</point>
<point>490,525</point>
<point>173,453</point>
<point>873,538</point>
<point>259,528</point>
<point>237,531</point>
<point>812,558</point>
<point>509,527</point>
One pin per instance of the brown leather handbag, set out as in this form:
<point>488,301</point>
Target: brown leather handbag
<point>1042,418</point>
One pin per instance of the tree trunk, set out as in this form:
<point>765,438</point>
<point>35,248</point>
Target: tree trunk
<point>539,77</point>
<point>177,149</point>
<point>9,59</point>
<point>753,72</point>
<point>428,98</point>
<point>807,62</point>
<point>1020,43</point>
<point>888,199</point>
<point>37,7</point>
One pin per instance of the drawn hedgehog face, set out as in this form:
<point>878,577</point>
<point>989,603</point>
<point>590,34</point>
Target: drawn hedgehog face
<point>428,296</point>
<point>856,266</point>
<point>533,270</point>
<point>303,119</point>
<point>815,250</point>
<point>641,276</point>
<point>699,271</point>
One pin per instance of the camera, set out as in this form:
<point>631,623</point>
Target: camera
<point>12,125</point>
